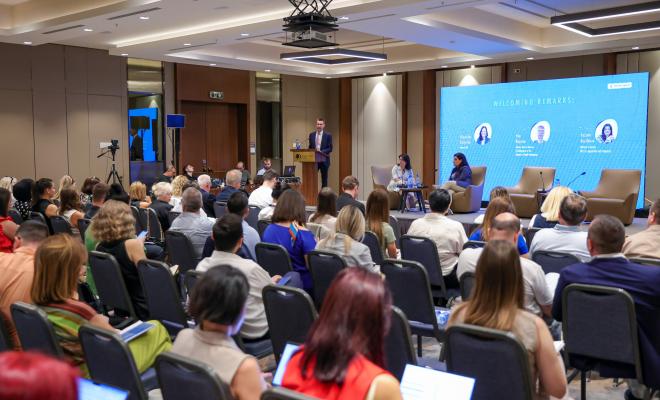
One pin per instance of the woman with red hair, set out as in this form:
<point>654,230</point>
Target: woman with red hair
<point>343,356</point>
<point>34,376</point>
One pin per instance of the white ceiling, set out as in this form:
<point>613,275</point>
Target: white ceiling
<point>415,34</point>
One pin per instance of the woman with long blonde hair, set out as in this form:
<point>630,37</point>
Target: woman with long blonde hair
<point>177,189</point>
<point>549,215</point>
<point>138,195</point>
<point>66,182</point>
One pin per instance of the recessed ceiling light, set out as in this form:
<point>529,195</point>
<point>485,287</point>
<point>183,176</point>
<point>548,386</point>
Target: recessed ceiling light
<point>327,77</point>
<point>27,42</point>
<point>472,66</point>
<point>88,30</point>
<point>144,18</point>
<point>443,66</point>
<point>635,48</point>
<point>245,34</point>
<point>187,44</point>
<point>124,54</point>
<point>266,70</point>
<point>344,18</point>
<point>530,58</point>
<point>213,64</point>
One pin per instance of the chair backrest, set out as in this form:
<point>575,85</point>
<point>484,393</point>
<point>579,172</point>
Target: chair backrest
<point>466,283</point>
<point>171,216</point>
<point>151,223</point>
<point>529,235</point>
<point>399,349</point>
<point>381,175</point>
<point>86,295</point>
<point>396,227</point>
<point>280,393</point>
<point>83,224</point>
<point>38,217</point>
<point>60,225</point>
<point>530,180</point>
<point>5,340</point>
<point>273,258</point>
<point>181,251</point>
<point>371,241</point>
<point>553,261</point>
<point>110,361</point>
<point>110,284</point>
<point>645,261</point>
<point>324,266</point>
<point>411,291</point>
<point>600,324</point>
<point>219,208</point>
<point>15,216</point>
<point>140,224</point>
<point>474,244</point>
<point>495,359</point>
<point>253,217</point>
<point>290,313</point>
<point>424,251</point>
<point>619,183</point>
<point>178,376</point>
<point>34,330</point>
<point>261,227</point>
<point>163,301</point>
<point>190,279</point>
<point>478,175</point>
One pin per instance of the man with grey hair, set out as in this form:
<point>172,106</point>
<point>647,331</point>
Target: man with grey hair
<point>162,206</point>
<point>191,223</point>
<point>232,185</point>
<point>204,182</point>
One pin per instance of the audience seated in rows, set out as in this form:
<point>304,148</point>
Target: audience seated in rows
<point>35,376</point>
<point>288,230</point>
<point>342,357</point>
<point>496,207</point>
<point>238,204</point>
<point>497,191</point>
<point>537,296</point>
<point>188,184</point>
<point>87,191</point>
<point>168,175</point>
<point>609,267</point>
<point>346,240</point>
<point>7,225</point>
<point>497,303</point>
<point>646,244</point>
<point>138,194</point>
<point>17,270</point>
<point>549,216</point>
<point>22,192</point>
<point>566,236</point>
<point>162,206</point>
<point>99,194</point>
<point>447,234</point>
<point>71,209</point>
<point>378,217</point>
<point>245,173</point>
<point>191,223</point>
<point>118,193</point>
<point>262,196</point>
<point>59,266</point>
<point>178,184</point>
<point>350,188</point>
<point>66,182</point>
<point>218,303</point>
<point>114,229</point>
<point>266,213</point>
<point>326,212</point>
<point>232,185</point>
<point>208,199</point>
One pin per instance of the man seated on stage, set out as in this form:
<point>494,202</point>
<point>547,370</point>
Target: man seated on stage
<point>191,222</point>
<point>208,198</point>
<point>267,166</point>
<point>538,297</point>
<point>350,187</point>
<point>262,196</point>
<point>447,234</point>
<point>245,174</point>
<point>646,244</point>
<point>609,267</point>
<point>566,236</point>
<point>232,185</point>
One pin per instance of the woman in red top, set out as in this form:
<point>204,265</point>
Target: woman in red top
<point>7,225</point>
<point>343,355</point>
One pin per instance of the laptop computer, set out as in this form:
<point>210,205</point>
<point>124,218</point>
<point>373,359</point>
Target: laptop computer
<point>419,383</point>
<point>289,171</point>
<point>288,351</point>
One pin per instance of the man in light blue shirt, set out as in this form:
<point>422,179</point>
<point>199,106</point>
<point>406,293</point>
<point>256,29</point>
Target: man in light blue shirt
<point>238,204</point>
<point>191,223</point>
<point>566,236</point>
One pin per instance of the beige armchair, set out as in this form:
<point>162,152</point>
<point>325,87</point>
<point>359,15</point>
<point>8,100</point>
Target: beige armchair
<point>524,194</point>
<point>381,176</point>
<point>470,200</point>
<point>616,194</point>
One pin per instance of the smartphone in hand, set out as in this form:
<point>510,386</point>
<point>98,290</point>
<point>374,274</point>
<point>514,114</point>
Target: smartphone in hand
<point>142,235</point>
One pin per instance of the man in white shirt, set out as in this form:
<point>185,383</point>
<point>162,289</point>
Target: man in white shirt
<point>645,244</point>
<point>447,234</point>
<point>267,165</point>
<point>538,296</point>
<point>566,236</point>
<point>238,204</point>
<point>190,222</point>
<point>262,196</point>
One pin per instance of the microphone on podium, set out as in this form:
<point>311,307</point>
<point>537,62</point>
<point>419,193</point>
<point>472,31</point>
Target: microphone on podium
<point>576,178</point>
<point>542,190</point>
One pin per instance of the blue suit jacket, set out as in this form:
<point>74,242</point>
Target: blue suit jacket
<point>643,284</point>
<point>326,144</point>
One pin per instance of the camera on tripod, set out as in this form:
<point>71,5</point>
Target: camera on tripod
<point>114,146</point>
<point>112,149</point>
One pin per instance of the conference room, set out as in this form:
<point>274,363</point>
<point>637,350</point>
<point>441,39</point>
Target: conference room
<point>329,199</point>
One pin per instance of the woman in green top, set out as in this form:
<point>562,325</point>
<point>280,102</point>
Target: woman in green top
<point>378,217</point>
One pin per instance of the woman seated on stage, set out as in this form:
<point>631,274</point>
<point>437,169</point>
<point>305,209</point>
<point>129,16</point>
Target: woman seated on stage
<point>550,208</point>
<point>401,173</point>
<point>461,175</point>
<point>496,207</point>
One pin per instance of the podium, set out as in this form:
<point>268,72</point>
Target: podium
<point>310,176</point>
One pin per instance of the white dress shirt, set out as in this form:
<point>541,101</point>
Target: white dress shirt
<point>261,197</point>
<point>447,234</point>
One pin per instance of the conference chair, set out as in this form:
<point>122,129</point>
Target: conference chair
<point>371,241</point>
<point>280,393</point>
<point>219,208</point>
<point>163,301</point>
<point>83,224</point>
<point>15,216</point>
<point>600,328</point>
<point>616,194</point>
<point>111,287</point>
<point>466,283</point>
<point>529,235</point>
<point>469,201</point>
<point>60,225</point>
<point>253,217</point>
<point>261,227</point>
<point>554,261</point>
<point>646,261</point>
<point>380,178</point>
<point>171,216</point>
<point>396,227</point>
<point>151,224</point>
<point>139,223</point>
<point>86,295</point>
<point>179,377</point>
<point>399,349</point>
<point>110,362</point>
<point>37,216</point>
<point>34,330</point>
<point>474,244</point>
<point>524,195</point>
<point>190,279</point>
<point>273,258</point>
<point>6,342</point>
<point>290,313</point>
<point>181,251</point>
<point>497,361</point>
<point>324,266</point>
<point>424,251</point>
<point>411,292</point>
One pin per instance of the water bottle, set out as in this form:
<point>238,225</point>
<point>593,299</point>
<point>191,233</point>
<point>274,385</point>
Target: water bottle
<point>297,144</point>
<point>410,183</point>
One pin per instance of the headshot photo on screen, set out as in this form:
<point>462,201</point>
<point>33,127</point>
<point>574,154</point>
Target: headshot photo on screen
<point>540,132</point>
<point>483,133</point>
<point>607,131</point>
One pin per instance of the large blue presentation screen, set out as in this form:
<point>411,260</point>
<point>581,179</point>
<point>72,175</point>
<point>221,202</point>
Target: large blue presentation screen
<point>574,125</point>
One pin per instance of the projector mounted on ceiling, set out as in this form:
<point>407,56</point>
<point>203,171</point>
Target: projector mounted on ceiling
<point>310,24</point>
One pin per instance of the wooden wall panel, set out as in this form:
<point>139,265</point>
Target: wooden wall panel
<point>429,127</point>
<point>193,136</point>
<point>17,149</point>
<point>221,136</point>
<point>194,83</point>
<point>78,144</point>
<point>15,67</point>
<point>48,68</point>
<point>50,134</point>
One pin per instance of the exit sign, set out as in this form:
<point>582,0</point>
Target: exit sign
<point>217,95</point>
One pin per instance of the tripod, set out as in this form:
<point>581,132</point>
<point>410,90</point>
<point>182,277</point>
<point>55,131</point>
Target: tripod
<point>114,175</point>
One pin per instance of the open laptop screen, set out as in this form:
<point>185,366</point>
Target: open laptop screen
<point>289,349</point>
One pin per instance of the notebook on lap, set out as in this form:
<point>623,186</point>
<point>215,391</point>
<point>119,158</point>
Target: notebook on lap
<point>419,383</point>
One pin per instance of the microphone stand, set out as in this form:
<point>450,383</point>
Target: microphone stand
<point>542,183</point>
<point>575,179</point>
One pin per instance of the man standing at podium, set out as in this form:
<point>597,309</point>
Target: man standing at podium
<point>322,141</point>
